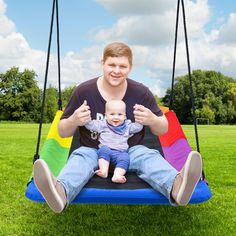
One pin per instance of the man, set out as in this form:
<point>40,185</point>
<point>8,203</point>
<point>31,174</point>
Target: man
<point>141,108</point>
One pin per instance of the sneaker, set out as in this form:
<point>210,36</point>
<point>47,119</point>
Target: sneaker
<point>52,191</point>
<point>187,179</point>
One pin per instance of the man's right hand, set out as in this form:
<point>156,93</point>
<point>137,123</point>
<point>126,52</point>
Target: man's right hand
<point>82,115</point>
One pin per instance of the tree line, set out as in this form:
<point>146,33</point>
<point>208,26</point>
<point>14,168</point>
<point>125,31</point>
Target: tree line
<point>21,98</point>
<point>214,95</point>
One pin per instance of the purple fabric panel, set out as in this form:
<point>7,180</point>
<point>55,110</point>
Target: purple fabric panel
<point>177,153</point>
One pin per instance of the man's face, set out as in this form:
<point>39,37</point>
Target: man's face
<point>116,70</point>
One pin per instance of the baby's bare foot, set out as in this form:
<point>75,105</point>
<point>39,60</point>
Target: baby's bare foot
<point>118,179</point>
<point>101,173</point>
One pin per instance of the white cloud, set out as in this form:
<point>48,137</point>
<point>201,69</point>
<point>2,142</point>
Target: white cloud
<point>197,16</point>
<point>227,33</point>
<point>152,22</point>
<point>79,67</point>
<point>141,30</point>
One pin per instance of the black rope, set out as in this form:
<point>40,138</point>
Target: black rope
<point>174,59</point>
<point>189,73</point>
<point>191,86</point>
<point>36,155</point>
<point>59,103</point>
<point>190,79</point>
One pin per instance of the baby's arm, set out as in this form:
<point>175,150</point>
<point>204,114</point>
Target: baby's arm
<point>95,125</point>
<point>135,127</point>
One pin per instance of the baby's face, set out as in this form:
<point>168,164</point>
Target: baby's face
<point>115,115</point>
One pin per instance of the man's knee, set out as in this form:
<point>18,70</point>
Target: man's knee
<point>85,154</point>
<point>140,151</point>
<point>141,156</point>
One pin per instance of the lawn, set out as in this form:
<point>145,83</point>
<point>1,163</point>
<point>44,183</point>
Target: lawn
<point>20,216</point>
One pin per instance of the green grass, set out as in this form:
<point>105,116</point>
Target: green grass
<point>20,216</point>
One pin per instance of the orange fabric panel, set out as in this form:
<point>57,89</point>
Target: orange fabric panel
<point>164,109</point>
<point>175,131</point>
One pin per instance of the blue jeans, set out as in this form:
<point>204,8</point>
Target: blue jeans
<point>148,164</point>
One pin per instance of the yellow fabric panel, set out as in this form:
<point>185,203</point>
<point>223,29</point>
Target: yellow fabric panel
<point>53,132</point>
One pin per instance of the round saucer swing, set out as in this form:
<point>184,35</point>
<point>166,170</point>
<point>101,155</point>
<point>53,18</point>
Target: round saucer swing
<point>173,146</point>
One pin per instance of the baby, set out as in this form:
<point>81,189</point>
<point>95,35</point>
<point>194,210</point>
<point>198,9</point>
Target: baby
<point>114,132</point>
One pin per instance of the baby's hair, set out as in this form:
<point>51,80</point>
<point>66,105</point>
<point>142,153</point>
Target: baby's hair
<point>110,102</point>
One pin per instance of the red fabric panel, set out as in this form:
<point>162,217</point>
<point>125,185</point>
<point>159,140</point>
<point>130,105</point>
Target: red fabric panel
<point>175,131</point>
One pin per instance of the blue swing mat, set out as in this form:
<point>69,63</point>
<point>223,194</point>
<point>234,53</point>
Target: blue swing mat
<point>173,145</point>
<point>123,196</point>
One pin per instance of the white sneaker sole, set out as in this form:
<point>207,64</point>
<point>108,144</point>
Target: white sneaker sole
<point>44,182</point>
<point>192,174</point>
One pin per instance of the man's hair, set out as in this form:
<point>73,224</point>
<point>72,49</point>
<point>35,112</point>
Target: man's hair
<point>118,49</point>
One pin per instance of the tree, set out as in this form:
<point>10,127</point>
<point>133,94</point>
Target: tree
<point>181,100</point>
<point>51,101</point>
<point>66,94</point>
<point>231,103</point>
<point>50,106</point>
<point>19,95</point>
<point>214,96</point>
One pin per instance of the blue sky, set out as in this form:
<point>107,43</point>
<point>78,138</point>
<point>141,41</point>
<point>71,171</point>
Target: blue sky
<point>76,19</point>
<point>147,26</point>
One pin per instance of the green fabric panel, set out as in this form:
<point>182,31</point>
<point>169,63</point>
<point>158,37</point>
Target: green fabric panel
<point>55,155</point>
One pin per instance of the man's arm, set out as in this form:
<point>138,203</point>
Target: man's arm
<point>144,116</point>
<point>80,117</point>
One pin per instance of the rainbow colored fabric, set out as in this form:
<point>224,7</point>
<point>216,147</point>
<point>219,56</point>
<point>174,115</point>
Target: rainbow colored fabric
<point>174,146</point>
<point>174,143</point>
<point>55,149</point>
